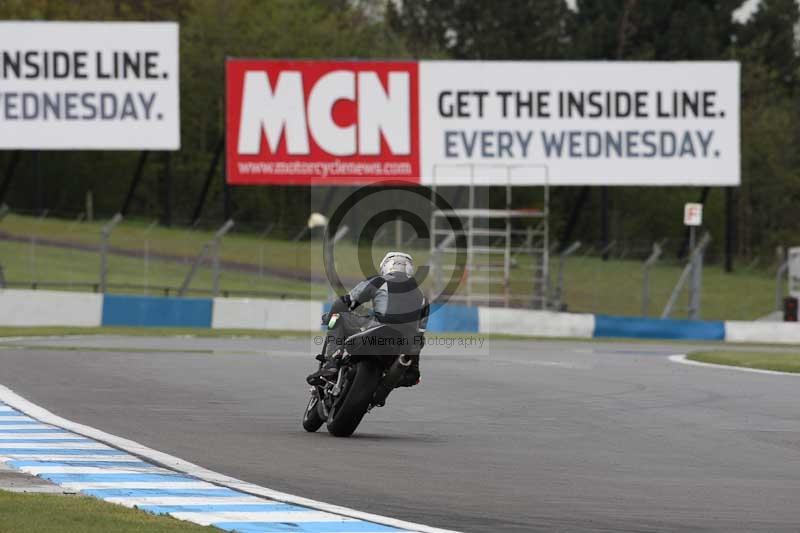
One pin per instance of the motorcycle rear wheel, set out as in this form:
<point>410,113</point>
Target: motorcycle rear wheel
<point>348,414</point>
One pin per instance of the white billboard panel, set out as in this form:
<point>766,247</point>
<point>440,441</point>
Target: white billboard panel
<point>89,85</point>
<point>588,123</point>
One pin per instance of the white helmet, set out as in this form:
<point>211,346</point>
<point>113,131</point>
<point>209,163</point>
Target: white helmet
<point>397,262</point>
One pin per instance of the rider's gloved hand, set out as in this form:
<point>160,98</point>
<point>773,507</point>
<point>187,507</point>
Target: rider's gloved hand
<point>326,317</point>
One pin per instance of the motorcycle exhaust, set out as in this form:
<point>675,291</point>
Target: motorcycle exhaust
<point>391,379</point>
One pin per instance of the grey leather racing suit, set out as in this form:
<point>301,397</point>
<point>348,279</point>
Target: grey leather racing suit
<point>397,302</point>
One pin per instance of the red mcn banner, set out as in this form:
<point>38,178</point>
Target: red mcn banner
<point>321,122</point>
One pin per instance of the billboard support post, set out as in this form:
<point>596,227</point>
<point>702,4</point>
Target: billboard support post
<point>574,215</point>
<point>9,174</point>
<point>137,176</point>
<point>226,200</point>
<point>166,213</point>
<point>39,191</point>
<point>212,169</point>
<point>730,229</point>
<point>604,230</point>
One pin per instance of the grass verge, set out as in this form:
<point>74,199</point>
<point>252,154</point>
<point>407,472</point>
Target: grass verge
<point>278,267</point>
<point>46,513</point>
<point>780,361</point>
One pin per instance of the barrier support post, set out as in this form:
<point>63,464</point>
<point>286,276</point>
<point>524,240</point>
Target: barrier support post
<point>648,264</point>
<point>213,244</point>
<point>696,254</point>
<point>105,234</point>
<point>562,259</point>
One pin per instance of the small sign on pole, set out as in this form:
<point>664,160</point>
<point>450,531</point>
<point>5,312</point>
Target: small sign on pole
<point>693,214</point>
<point>794,271</point>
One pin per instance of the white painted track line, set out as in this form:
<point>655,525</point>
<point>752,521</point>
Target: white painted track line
<point>25,426</point>
<point>132,501</point>
<point>146,469</point>
<point>682,359</point>
<point>90,485</point>
<point>38,436</point>
<point>88,445</point>
<point>206,519</point>
<point>65,458</point>
<point>212,479</point>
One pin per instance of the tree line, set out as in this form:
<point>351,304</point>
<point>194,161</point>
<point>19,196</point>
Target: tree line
<point>765,206</point>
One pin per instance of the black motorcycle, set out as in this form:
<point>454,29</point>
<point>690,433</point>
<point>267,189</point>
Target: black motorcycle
<point>370,368</point>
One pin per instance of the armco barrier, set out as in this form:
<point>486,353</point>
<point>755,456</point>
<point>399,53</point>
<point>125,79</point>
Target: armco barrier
<point>245,313</point>
<point>654,328</point>
<point>535,323</point>
<point>52,308</point>
<point>443,318</point>
<point>49,308</point>
<point>455,318</point>
<point>769,332</point>
<point>156,311</point>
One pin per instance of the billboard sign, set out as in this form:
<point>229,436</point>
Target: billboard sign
<point>482,122</point>
<point>89,86</point>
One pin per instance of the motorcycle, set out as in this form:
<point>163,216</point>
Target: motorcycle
<point>368,372</point>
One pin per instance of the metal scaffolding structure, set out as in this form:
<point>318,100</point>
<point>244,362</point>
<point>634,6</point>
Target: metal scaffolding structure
<point>496,242</point>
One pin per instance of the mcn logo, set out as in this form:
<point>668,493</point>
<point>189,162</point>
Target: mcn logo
<point>321,122</point>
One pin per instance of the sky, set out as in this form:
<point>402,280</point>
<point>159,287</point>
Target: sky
<point>741,15</point>
<point>745,10</point>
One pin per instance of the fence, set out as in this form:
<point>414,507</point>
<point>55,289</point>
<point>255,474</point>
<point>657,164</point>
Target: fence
<point>147,259</point>
<point>139,257</point>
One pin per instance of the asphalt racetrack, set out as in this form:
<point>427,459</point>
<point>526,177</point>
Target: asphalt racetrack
<point>510,437</point>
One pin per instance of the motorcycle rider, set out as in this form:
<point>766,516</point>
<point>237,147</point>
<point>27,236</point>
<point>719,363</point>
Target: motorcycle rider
<point>397,302</point>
